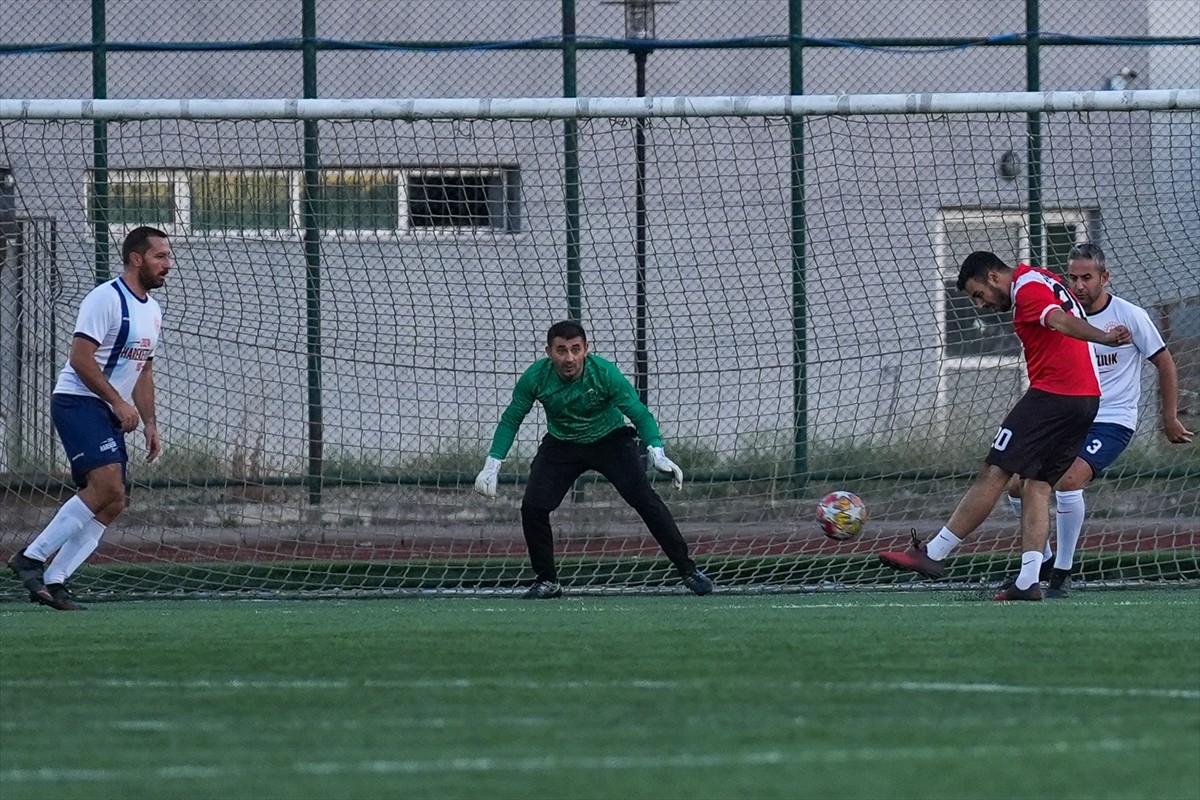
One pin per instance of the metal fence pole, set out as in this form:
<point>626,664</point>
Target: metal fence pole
<point>641,352</point>
<point>799,249</point>
<point>312,259</point>
<point>571,167</point>
<point>100,144</point>
<point>1033,125</point>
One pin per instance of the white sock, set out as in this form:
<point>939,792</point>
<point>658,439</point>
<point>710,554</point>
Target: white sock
<point>1031,565</point>
<point>75,551</point>
<point>1068,524</point>
<point>1015,504</point>
<point>66,523</point>
<point>1048,553</point>
<point>942,545</point>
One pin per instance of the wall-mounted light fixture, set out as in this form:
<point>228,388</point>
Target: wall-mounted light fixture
<point>1120,81</point>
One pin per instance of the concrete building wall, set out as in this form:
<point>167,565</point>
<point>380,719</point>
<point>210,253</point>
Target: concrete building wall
<point>423,336</point>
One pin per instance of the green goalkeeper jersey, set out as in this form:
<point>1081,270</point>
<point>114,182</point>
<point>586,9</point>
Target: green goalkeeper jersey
<point>582,411</point>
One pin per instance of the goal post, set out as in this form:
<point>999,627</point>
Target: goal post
<point>339,341</point>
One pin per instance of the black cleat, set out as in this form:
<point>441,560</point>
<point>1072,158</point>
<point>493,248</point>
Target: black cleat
<point>1044,574</point>
<point>61,598</point>
<point>698,582</point>
<point>1060,584</point>
<point>543,590</point>
<point>1034,592</point>
<point>1046,570</point>
<point>30,572</point>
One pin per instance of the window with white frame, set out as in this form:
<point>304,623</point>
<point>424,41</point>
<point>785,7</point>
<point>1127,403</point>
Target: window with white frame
<point>239,200</point>
<point>464,198</point>
<point>987,337</point>
<point>359,200</point>
<point>377,200</point>
<point>136,197</point>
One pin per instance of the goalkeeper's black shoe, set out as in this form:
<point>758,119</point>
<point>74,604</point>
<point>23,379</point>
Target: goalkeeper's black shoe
<point>61,598</point>
<point>543,590</point>
<point>698,582</point>
<point>1060,584</point>
<point>30,572</point>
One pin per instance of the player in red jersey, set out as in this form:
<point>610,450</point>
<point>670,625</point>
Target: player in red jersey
<point>1041,435</point>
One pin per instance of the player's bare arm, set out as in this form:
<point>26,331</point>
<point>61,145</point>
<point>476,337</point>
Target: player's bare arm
<point>1077,328</point>
<point>143,400</point>
<point>1168,390</point>
<point>83,361</point>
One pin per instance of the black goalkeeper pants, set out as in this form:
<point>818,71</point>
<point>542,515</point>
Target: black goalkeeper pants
<point>555,468</point>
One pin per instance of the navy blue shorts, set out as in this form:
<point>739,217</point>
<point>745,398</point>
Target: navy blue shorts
<point>1105,441</point>
<point>91,434</point>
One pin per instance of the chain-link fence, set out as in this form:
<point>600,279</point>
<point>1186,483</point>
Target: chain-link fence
<point>523,48</point>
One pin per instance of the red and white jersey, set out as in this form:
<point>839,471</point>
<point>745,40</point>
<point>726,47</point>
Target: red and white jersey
<point>1057,363</point>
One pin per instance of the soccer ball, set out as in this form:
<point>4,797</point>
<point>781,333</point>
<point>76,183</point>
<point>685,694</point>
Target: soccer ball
<point>841,515</point>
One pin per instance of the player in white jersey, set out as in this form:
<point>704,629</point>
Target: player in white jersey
<point>1120,370</point>
<point>105,389</point>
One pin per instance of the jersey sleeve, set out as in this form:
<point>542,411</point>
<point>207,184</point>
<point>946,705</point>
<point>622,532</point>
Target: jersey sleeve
<point>99,313</point>
<point>1034,300</point>
<point>625,398</point>
<point>1146,338</point>
<point>518,408</point>
<point>158,339</point>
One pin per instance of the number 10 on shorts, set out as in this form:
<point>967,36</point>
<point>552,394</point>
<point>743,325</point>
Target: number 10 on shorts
<point>1003,437</point>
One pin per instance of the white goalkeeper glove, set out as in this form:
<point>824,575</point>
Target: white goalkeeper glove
<point>488,477</point>
<point>663,464</point>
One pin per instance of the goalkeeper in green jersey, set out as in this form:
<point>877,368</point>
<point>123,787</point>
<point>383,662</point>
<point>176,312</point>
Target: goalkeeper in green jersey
<point>586,400</point>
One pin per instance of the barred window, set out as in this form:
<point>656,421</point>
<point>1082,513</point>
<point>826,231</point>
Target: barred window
<point>359,200</point>
<point>240,200</point>
<point>462,198</point>
<point>136,197</point>
<point>384,201</point>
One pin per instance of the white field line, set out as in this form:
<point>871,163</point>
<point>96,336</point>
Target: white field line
<point>426,684</point>
<point>551,764</point>
<point>950,604</point>
<point>594,606</point>
<point>381,723</point>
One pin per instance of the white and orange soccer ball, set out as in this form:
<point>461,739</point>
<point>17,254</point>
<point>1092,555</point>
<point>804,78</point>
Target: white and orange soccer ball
<point>841,515</point>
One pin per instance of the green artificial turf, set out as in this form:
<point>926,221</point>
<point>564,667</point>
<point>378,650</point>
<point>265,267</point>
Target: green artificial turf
<point>872,695</point>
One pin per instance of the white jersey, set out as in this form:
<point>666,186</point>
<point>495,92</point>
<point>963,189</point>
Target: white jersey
<point>1121,367</point>
<point>125,329</point>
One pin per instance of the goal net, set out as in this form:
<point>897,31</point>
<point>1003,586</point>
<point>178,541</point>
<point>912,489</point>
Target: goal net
<point>359,284</point>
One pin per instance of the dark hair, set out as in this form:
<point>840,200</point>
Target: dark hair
<point>1088,252</point>
<point>138,241</point>
<point>567,329</point>
<point>977,265</point>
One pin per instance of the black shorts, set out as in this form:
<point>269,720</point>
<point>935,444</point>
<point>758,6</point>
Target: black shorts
<point>1042,434</point>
